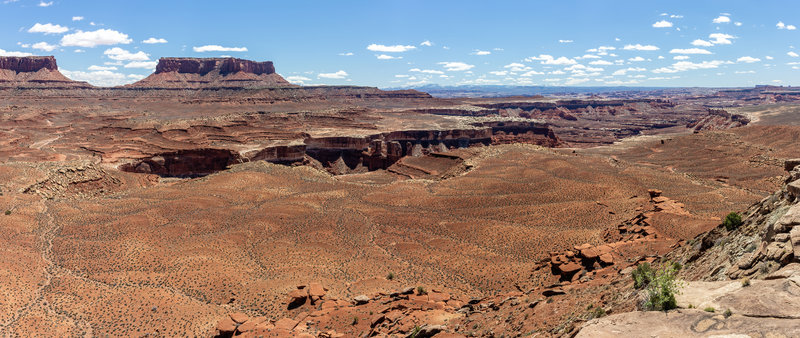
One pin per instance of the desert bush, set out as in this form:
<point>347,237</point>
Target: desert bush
<point>662,289</point>
<point>728,313</point>
<point>390,276</point>
<point>8,212</point>
<point>421,290</point>
<point>709,309</point>
<point>745,281</point>
<point>732,221</point>
<point>642,275</point>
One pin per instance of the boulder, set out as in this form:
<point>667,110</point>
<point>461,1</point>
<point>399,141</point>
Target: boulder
<point>226,325</point>
<point>239,317</point>
<point>794,188</point>
<point>361,299</point>
<point>654,193</point>
<point>789,165</point>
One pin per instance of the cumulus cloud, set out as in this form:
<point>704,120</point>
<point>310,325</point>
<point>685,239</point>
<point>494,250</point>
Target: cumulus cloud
<point>680,57</point>
<point>426,43</point>
<point>625,71</point>
<point>387,57</point>
<point>77,18</point>
<point>640,47</point>
<point>456,66</point>
<point>721,39</point>
<point>154,40</point>
<point>346,54</point>
<point>662,24</point>
<point>390,49</point>
<point>682,66</point>
<point>337,75</point>
<point>10,53</point>
<point>481,52</point>
<point>550,60</point>
<point>218,48</point>
<point>689,51</point>
<point>722,19</point>
<point>517,67</point>
<point>792,54</point>
<point>531,73</point>
<point>499,72</point>
<point>44,46</point>
<point>296,79</point>
<point>636,59</point>
<point>702,43</point>
<point>95,38</point>
<point>748,59</point>
<point>120,54</point>
<point>96,68</point>
<point>47,28</point>
<point>601,63</point>
<point>142,64</point>
<point>105,78</point>
<point>565,41</point>
<point>426,71</point>
<point>782,25</point>
<point>45,4</point>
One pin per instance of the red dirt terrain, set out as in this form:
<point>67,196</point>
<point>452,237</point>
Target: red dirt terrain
<point>267,209</point>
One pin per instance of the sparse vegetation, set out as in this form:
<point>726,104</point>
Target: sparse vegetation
<point>421,290</point>
<point>415,332</point>
<point>642,275</point>
<point>745,282</point>
<point>661,288</point>
<point>709,309</point>
<point>732,221</point>
<point>727,313</point>
<point>355,321</point>
<point>8,212</point>
<point>390,276</point>
<point>598,312</point>
<point>691,306</point>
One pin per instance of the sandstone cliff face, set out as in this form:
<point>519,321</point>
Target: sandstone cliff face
<point>34,71</point>
<point>192,73</point>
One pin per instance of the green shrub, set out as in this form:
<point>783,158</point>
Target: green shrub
<point>662,289</point>
<point>709,309</point>
<point>728,313</point>
<point>745,281</point>
<point>732,221</point>
<point>8,212</point>
<point>421,290</point>
<point>390,276</point>
<point>642,275</point>
<point>598,312</point>
<point>355,321</point>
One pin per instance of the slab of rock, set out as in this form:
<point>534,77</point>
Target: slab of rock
<point>794,188</point>
<point>777,298</point>
<point>361,299</point>
<point>286,324</point>
<point>788,165</point>
<point>687,323</point>
<point>226,325</point>
<point>239,317</point>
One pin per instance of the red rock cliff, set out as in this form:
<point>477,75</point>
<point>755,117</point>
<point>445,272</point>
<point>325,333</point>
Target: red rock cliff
<point>194,73</point>
<point>204,66</point>
<point>27,64</point>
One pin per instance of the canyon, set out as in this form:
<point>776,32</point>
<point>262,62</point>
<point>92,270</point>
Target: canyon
<point>215,198</point>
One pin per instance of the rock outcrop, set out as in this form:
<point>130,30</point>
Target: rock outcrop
<point>212,73</point>
<point>34,71</point>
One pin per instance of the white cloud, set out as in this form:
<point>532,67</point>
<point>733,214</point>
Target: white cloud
<point>640,47</point>
<point>338,75</point>
<point>517,67</point>
<point>745,72</point>
<point>481,52</point>
<point>44,46</point>
<point>456,66</point>
<point>499,72</point>
<point>721,19</point>
<point>531,73</point>
<point>721,39</point>
<point>154,40</point>
<point>218,48</point>
<point>565,41</point>
<point>387,57</point>
<point>47,28</point>
<point>748,59</point>
<point>572,82</point>
<point>550,60</point>
<point>77,18</point>
<point>782,25</point>
<point>636,59</point>
<point>296,79</point>
<point>346,54</point>
<point>601,63</point>
<point>99,78</point>
<point>426,43</point>
<point>390,49</point>
<point>689,51</point>
<point>768,57</point>
<point>702,43</point>
<point>45,4</point>
<point>142,64</point>
<point>625,71</point>
<point>120,54</point>
<point>426,71</point>
<point>96,68</point>
<point>662,24</point>
<point>95,38</point>
<point>588,56</point>
<point>10,53</point>
<point>680,57</point>
<point>792,54</point>
<point>682,66</point>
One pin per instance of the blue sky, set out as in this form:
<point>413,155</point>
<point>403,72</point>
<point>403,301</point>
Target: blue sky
<point>407,43</point>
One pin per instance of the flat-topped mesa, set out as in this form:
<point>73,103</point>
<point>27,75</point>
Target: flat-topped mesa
<point>34,71</point>
<point>195,73</point>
